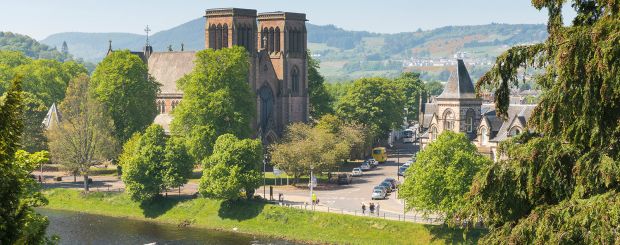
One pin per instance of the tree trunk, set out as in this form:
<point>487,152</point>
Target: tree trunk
<point>86,182</point>
<point>74,177</point>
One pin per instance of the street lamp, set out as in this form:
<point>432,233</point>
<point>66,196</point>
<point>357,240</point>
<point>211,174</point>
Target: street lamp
<point>311,186</point>
<point>264,175</point>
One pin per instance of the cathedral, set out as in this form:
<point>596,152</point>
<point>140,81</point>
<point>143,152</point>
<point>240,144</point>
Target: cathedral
<point>276,43</point>
<point>458,109</point>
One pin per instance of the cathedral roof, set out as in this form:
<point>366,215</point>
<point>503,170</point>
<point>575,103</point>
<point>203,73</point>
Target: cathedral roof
<point>459,86</point>
<point>168,67</point>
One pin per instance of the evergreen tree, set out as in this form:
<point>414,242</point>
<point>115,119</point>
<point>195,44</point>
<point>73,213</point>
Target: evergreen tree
<point>19,193</point>
<point>559,185</point>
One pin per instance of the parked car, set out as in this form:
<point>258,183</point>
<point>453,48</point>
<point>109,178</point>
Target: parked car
<point>357,172</point>
<point>401,170</point>
<point>387,186</point>
<point>378,194</point>
<point>365,166</point>
<point>372,161</point>
<point>408,163</point>
<point>382,188</point>
<point>391,181</point>
<point>344,179</point>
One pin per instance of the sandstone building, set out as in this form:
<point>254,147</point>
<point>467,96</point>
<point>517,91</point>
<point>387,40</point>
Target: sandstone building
<point>276,43</point>
<point>458,109</point>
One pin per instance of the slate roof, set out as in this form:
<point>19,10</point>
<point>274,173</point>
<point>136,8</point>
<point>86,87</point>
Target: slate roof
<point>515,112</point>
<point>459,85</point>
<point>52,118</point>
<point>168,67</point>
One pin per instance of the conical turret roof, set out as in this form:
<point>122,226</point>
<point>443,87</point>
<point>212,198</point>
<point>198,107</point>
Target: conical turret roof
<point>459,84</point>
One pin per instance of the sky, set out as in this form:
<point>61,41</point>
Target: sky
<point>41,18</point>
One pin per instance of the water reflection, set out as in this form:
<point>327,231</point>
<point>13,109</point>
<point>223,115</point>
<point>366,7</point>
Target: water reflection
<point>80,228</point>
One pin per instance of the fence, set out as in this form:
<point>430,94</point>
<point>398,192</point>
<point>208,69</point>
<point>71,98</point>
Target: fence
<point>379,214</point>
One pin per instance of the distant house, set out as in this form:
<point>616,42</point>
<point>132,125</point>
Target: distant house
<point>458,109</point>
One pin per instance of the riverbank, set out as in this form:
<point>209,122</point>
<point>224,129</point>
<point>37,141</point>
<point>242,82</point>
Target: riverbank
<point>258,219</point>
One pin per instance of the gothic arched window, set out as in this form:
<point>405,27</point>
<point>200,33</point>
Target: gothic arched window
<point>277,39</point>
<point>271,40</point>
<point>484,136</point>
<point>218,37</point>
<point>264,34</point>
<point>295,80</point>
<point>292,41</point>
<point>434,133</point>
<point>514,132</point>
<point>212,36</point>
<point>448,118</point>
<point>469,120</point>
<point>225,36</point>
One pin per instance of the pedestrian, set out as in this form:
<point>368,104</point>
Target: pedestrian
<point>372,208</point>
<point>280,197</point>
<point>378,209</point>
<point>363,208</point>
<point>271,193</point>
<point>313,198</point>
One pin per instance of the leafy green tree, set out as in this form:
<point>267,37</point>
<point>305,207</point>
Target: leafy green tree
<point>412,87</point>
<point>83,137</point>
<point>320,100</point>
<point>19,222</point>
<point>153,163</point>
<point>304,148</point>
<point>442,174</point>
<point>376,103</point>
<point>217,100</point>
<point>560,185</point>
<point>178,164</point>
<point>235,166</point>
<point>433,88</point>
<point>121,82</point>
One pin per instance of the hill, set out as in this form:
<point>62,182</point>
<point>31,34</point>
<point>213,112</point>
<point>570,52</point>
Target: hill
<point>30,47</point>
<point>345,54</point>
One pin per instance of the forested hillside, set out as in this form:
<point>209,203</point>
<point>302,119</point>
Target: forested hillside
<point>344,54</point>
<point>30,47</point>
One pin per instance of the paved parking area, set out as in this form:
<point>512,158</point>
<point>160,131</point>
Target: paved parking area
<point>350,197</point>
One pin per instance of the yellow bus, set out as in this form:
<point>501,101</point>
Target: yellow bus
<point>379,154</point>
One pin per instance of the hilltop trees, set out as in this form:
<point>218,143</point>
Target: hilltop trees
<point>217,100</point>
<point>234,166</point>
<point>152,163</point>
<point>121,83</point>
<point>561,185</point>
<point>84,136</point>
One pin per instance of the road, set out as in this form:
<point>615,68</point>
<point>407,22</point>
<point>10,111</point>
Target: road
<point>350,197</point>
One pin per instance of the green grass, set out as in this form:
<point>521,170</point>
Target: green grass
<point>259,219</point>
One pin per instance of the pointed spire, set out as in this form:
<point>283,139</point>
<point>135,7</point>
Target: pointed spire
<point>182,47</point>
<point>459,85</point>
<point>110,47</point>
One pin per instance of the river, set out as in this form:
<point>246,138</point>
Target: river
<point>81,228</point>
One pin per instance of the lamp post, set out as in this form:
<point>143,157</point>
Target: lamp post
<point>264,175</point>
<point>311,186</point>
<point>398,169</point>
